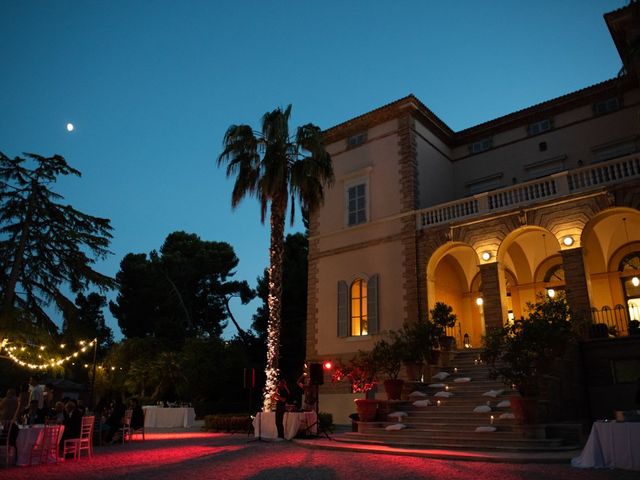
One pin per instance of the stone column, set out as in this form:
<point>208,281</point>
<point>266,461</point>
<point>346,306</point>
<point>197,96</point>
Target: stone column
<point>408,174</point>
<point>577,288</point>
<point>494,294</point>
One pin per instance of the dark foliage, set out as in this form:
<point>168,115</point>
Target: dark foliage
<point>45,245</point>
<point>183,290</point>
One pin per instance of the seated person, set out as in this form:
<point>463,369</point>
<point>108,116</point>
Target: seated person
<point>137,414</point>
<point>33,414</point>
<point>114,422</point>
<point>72,422</point>
<point>57,414</point>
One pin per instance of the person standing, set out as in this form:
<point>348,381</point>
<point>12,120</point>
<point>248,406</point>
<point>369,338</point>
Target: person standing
<point>8,405</point>
<point>281,405</point>
<point>35,392</point>
<point>8,410</point>
<point>309,393</point>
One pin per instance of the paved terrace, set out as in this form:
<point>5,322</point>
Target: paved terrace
<point>193,455</point>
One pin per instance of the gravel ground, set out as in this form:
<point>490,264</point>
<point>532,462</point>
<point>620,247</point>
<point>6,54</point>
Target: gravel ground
<point>194,456</point>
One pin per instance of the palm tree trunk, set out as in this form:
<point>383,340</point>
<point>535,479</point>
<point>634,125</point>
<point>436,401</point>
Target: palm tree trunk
<point>276,256</point>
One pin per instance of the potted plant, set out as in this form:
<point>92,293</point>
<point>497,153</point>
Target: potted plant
<point>443,317</point>
<point>361,372</point>
<point>420,346</point>
<point>523,352</point>
<point>387,357</point>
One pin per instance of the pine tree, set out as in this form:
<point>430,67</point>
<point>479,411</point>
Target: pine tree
<point>45,245</point>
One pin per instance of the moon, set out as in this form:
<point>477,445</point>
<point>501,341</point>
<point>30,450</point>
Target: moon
<point>70,127</point>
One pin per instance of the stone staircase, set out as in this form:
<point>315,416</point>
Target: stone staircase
<point>451,422</point>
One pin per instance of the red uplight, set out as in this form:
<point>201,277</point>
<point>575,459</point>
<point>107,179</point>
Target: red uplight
<point>327,365</point>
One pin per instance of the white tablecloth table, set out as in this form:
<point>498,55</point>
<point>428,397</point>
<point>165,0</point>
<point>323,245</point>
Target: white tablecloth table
<point>26,439</point>
<point>264,425</point>
<point>160,417</point>
<point>611,445</point>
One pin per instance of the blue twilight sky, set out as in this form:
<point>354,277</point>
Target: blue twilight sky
<point>152,85</point>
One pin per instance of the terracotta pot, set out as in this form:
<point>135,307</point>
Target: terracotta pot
<point>524,409</point>
<point>393,388</point>
<point>366,409</point>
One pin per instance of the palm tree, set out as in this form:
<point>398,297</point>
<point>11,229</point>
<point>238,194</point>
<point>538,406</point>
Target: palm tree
<point>276,168</point>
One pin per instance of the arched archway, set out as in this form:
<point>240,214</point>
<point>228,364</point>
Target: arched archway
<point>611,242</point>
<point>530,253</point>
<point>450,272</point>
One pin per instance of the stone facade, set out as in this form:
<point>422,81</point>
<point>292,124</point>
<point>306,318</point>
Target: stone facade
<point>505,211</point>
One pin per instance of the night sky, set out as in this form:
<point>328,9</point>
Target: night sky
<point>151,87</point>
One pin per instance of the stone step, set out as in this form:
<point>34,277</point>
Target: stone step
<point>499,434</point>
<point>448,405</point>
<point>444,421</point>
<point>452,423</point>
<point>481,443</point>
<point>457,425</point>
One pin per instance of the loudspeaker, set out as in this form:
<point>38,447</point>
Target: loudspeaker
<point>316,374</point>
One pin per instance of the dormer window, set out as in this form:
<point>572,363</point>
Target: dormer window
<point>606,106</point>
<point>539,127</point>
<point>480,146</point>
<point>355,140</point>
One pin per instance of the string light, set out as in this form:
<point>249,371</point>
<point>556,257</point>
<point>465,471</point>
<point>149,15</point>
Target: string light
<point>51,363</point>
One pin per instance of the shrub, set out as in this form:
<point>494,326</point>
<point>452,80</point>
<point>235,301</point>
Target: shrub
<point>325,421</point>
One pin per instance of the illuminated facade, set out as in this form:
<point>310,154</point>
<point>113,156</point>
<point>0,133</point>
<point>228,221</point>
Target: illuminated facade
<point>542,199</point>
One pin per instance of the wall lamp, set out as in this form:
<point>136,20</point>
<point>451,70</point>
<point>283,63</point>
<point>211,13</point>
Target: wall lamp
<point>568,241</point>
<point>486,256</point>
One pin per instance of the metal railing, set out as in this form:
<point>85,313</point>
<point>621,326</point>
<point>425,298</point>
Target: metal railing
<point>619,321</point>
<point>556,185</point>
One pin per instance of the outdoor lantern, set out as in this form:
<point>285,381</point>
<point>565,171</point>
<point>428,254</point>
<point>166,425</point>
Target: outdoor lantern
<point>467,341</point>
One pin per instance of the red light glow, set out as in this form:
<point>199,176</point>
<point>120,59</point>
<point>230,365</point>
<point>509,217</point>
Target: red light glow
<point>328,365</point>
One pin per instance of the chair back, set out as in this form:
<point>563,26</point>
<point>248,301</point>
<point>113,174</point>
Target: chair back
<point>126,421</point>
<point>46,450</point>
<point>5,441</point>
<point>86,428</point>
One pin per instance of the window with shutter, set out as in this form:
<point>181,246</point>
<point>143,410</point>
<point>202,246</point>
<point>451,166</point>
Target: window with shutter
<point>372,305</point>
<point>358,307</point>
<point>343,309</point>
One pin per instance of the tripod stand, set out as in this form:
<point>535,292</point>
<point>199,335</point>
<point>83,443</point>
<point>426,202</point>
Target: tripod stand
<point>320,430</point>
<point>259,437</point>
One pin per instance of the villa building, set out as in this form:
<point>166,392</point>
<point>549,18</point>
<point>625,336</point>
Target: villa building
<point>484,219</point>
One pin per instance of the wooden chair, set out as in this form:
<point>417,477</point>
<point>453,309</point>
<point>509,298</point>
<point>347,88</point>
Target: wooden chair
<point>75,446</point>
<point>46,449</point>
<point>8,450</point>
<point>125,430</point>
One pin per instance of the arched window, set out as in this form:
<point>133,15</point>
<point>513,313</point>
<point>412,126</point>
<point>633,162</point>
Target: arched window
<point>630,268</point>
<point>555,274</point>
<point>630,262</point>
<point>358,306</point>
<point>359,317</point>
